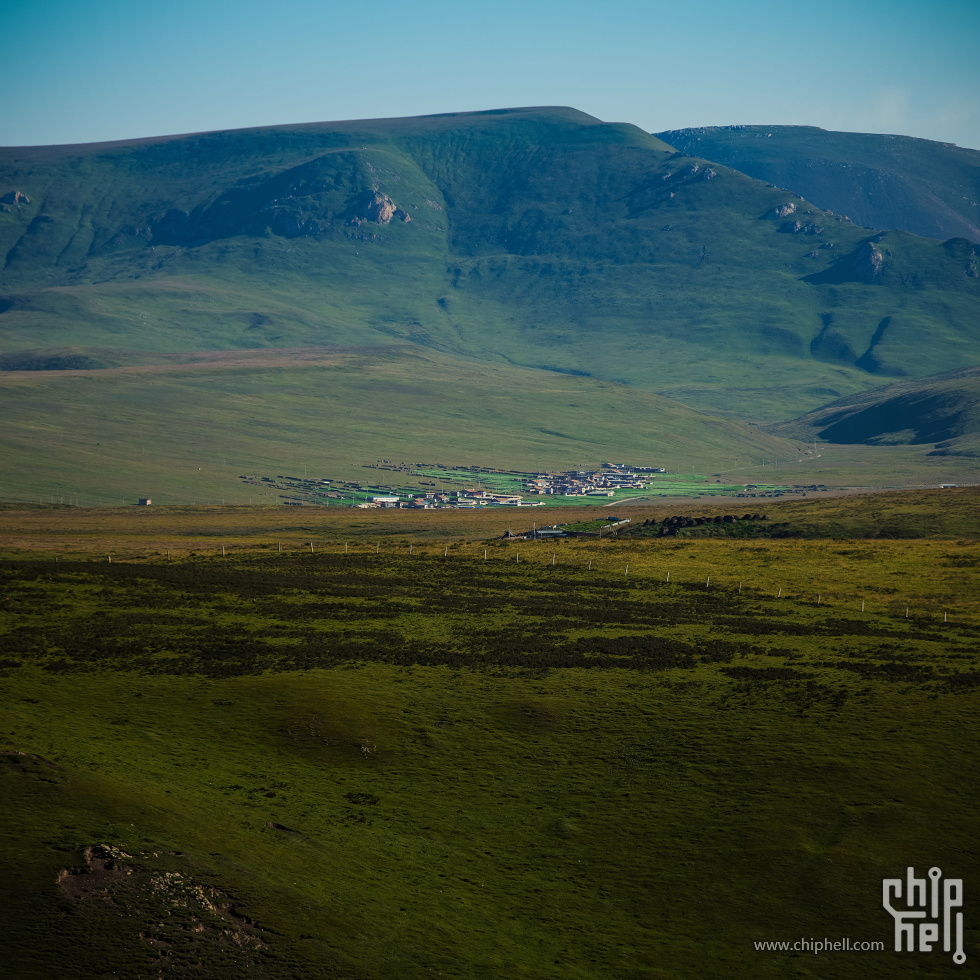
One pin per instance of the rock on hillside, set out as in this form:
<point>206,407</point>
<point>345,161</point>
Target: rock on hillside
<point>864,264</point>
<point>378,207</point>
<point>310,200</point>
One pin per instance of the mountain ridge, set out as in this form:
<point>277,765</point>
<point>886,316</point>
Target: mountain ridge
<point>538,237</point>
<point>882,181</point>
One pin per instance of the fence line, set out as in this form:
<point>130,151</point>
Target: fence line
<point>818,598</point>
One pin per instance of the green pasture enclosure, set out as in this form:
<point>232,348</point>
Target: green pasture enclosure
<point>589,525</point>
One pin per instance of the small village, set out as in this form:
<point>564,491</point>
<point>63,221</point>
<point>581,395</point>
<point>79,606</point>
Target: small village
<point>475,486</point>
<point>603,483</point>
<point>435,486</point>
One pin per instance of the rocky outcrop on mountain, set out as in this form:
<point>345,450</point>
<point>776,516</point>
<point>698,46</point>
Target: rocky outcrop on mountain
<point>966,252</point>
<point>15,197</point>
<point>378,207</point>
<point>867,262</point>
<point>779,211</point>
<point>311,200</point>
<point>796,227</point>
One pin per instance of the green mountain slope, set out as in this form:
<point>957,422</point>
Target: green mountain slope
<point>943,410</point>
<point>915,185</point>
<point>527,237</point>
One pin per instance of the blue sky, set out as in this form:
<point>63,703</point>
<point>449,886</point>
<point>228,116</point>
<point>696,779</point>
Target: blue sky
<point>90,70</point>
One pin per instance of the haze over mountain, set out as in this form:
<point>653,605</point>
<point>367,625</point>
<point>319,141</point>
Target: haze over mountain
<point>916,185</point>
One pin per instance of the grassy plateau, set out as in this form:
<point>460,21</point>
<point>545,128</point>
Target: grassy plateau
<point>401,747</point>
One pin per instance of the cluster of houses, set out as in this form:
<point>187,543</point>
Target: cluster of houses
<point>603,482</point>
<point>459,498</point>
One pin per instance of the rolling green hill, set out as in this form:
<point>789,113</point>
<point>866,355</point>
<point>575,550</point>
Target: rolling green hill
<point>943,410</point>
<point>915,185</point>
<point>532,237</point>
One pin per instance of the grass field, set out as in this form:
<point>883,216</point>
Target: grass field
<point>186,433</point>
<point>145,533</point>
<point>430,752</point>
